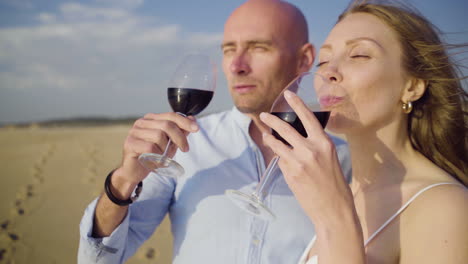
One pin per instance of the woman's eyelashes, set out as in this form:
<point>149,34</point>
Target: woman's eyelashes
<point>360,56</point>
<point>353,55</point>
<point>321,63</point>
<point>360,52</point>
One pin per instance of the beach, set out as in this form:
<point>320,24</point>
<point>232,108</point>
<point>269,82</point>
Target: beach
<point>49,176</point>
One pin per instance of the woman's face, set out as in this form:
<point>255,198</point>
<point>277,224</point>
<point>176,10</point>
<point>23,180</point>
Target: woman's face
<point>362,58</point>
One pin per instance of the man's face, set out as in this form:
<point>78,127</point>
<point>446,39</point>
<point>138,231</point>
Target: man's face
<point>259,59</point>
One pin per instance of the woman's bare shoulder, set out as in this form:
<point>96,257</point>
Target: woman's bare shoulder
<point>436,222</point>
<point>442,192</point>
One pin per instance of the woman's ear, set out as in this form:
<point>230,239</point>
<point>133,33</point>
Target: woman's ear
<point>306,59</point>
<point>414,90</point>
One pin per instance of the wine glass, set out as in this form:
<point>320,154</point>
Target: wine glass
<point>302,86</point>
<point>191,89</point>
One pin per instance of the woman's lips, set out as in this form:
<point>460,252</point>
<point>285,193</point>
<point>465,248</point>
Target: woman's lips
<point>330,101</point>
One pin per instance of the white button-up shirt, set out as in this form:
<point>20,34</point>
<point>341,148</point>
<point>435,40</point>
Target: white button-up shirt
<point>207,227</point>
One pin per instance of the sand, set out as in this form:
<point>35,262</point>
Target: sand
<point>49,176</point>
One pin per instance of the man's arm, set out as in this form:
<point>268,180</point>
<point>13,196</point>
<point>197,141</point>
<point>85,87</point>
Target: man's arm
<point>109,215</point>
<point>148,135</point>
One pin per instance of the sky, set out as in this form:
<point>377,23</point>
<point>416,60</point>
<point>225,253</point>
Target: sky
<point>113,58</point>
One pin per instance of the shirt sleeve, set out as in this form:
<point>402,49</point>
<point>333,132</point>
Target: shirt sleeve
<point>143,217</point>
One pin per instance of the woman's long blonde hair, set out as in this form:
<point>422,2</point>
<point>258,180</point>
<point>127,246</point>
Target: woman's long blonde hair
<point>438,123</point>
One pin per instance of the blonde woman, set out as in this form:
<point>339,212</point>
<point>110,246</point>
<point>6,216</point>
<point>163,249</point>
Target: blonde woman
<point>402,108</point>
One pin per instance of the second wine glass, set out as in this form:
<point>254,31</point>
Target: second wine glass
<point>191,89</point>
<point>302,86</point>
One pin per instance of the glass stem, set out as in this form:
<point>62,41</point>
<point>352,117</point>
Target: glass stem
<point>266,180</point>
<point>167,148</point>
<point>169,143</point>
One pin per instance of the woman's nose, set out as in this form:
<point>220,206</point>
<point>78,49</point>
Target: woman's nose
<point>331,72</point>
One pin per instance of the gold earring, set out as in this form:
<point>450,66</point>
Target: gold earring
<point>407,107</point>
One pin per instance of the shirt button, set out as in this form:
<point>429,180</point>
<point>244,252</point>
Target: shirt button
<point>256,241</point>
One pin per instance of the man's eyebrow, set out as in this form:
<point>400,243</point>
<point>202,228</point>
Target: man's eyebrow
<point>249,43</point>
<point>259,41</point>
<point>227,44</point>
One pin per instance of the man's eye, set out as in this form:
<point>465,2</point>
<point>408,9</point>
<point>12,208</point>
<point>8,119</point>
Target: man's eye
<point>260,48</point>
<point>228,51</point>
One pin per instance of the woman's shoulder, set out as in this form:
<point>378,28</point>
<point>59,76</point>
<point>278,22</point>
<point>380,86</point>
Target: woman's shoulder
<point>437,193</point>
<point>436,190</point>
<point>440,196</point>
<point>436,220</point>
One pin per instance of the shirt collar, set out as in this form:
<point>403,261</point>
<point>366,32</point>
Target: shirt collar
<point>241,119</point>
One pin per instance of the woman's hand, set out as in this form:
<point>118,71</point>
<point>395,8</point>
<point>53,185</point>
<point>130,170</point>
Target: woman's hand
<point>310,166</point>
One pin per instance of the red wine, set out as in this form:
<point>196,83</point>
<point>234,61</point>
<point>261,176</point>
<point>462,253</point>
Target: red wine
<point>292,119</point>
<point>188,101</point>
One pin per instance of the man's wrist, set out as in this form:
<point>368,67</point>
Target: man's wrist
<point>119,191</point>
<point>121,185</point>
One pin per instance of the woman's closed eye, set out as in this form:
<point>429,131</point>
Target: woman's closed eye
<point>321,63</point>
<point>360,56</point>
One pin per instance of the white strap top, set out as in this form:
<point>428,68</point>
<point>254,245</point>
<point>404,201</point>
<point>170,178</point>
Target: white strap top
<point>314,259</point>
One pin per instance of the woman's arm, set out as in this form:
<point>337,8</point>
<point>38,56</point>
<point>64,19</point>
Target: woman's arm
<point>312,171</point>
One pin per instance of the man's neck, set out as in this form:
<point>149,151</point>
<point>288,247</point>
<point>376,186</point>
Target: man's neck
<point>256,129</point>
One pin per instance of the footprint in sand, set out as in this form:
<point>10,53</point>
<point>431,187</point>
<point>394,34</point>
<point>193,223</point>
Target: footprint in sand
<point>10,242</point>
<point>24,201</point>
<point>2,253</point>
<point>51,150</point>
<point>148,254</point>
<point>151,253</point>
<point>12,248</point>
<point>38,168</point>
<point>90,174</point>
<point>15,252</point>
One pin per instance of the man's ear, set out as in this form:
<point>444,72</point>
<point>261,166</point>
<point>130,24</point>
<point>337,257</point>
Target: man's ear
<point>414,90</point>
<point>306,59</point>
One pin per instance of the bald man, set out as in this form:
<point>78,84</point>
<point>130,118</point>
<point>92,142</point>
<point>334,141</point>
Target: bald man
<point>265,46</point>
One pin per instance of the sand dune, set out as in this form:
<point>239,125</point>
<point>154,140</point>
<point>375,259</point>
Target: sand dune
<point>49,175</point>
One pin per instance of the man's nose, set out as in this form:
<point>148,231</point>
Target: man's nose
<point>241,64</point>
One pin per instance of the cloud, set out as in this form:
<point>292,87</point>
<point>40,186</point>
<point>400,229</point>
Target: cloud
<point>46,18</point>
<point>206,39</point>
<point>128,4</point>
<point>19,4</point>
<point>98,49</point>
<point>77,12</point>
<point>156,36</point>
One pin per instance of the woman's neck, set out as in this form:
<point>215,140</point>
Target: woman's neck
<point>379,156</point>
